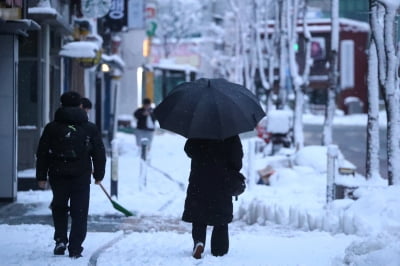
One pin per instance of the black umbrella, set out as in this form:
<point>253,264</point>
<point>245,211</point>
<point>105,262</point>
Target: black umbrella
<point>209,109</point>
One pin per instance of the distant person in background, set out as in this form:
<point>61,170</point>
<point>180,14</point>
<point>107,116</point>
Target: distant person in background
<point>317,52</point>
<point>86,104</point>
<point>145,122</point>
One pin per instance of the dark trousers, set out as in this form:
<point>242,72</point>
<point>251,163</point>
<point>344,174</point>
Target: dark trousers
<point>78,197</point>
<point>219,237</point>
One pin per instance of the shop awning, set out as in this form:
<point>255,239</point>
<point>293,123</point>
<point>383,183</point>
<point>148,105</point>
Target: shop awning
<point>80,49</point>
<point>18,26</point>
<point>49,15</point>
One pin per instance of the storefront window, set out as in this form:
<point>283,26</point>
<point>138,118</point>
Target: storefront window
<point>28,97</point>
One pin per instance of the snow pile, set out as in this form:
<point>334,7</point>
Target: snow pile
<point>382,249</point>
<point>316,158</point>
<point>279,121</point>
<point>296,196</point>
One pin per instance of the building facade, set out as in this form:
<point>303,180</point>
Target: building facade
<point>34,74</point>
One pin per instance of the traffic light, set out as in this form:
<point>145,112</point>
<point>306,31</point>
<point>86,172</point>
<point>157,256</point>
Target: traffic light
<point>296,47</point>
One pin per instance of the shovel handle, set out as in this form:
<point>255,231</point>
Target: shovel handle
<point>105,191</point>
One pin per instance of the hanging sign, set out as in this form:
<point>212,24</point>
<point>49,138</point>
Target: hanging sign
<point>95,8</point>
<point>116,18</point>
<point>136,14</point>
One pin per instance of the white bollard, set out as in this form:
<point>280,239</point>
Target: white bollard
<point>143,162</point>
<point>250,163</point>
<point>114,168</point>
<point>332,155</point>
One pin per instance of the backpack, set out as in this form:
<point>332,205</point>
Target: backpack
<point>69,143</point>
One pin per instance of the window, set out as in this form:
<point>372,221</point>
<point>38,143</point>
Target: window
<point>28,69</point>
<point>347,64</point>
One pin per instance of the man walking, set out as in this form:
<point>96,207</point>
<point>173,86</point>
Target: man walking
<point>67,149</point>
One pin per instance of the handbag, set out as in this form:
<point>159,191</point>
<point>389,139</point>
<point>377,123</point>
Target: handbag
<point>235,182</point>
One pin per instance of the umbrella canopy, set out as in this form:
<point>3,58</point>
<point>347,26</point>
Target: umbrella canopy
<point>209,109</point>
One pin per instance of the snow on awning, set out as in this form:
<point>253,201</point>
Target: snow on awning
<point>47,14</point>
<point>81,49</point>
<point>114,60</point>
<point>171,65</point>
<point>324,25</point>
<point>42,10</point>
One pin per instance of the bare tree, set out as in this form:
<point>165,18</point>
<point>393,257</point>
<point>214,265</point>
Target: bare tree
<point>372,162</point>
<point>333,77</point>
<point>390,89</point>
<point>299,81</point>
<point>308,60</point>
<point>250,53</point>
<point>239,34</point>
<point>265,49</point>
<point>176,20</point>
<point>283,50</point>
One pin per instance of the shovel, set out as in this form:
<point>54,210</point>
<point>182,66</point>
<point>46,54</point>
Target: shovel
<point>115,204</point>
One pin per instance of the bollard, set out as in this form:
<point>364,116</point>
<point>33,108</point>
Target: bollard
<point>143,144</point>
<point>250,163</point>
<point>332,155</point>
<point>114,168</point>
<point>143,164</point>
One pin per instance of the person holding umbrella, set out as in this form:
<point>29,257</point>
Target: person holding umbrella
<point>207,200</point>
<point>211,113</point>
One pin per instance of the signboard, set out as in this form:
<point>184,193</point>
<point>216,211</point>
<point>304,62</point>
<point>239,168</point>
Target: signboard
<point>116,19</point>
<point>151,23</point>
<point>135,14</point>
<point>95,8</point>
<point>347,64</point>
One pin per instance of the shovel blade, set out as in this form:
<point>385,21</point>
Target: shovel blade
<point>121,209</point>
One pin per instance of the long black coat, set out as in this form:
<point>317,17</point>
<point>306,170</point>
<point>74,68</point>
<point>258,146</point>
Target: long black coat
<point>207,201</point>
<point>46,165</point>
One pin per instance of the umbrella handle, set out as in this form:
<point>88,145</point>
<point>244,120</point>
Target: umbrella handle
<point>105,191</point>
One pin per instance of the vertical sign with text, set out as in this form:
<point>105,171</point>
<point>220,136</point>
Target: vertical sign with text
<point>116,19</point>
<point>136,14</point>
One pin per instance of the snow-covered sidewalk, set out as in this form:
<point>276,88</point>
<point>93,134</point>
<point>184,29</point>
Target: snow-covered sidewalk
<point>249,245</point>
<point>286,223</point>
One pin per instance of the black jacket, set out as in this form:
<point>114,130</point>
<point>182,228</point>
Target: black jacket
<point>207,200</point>
<point>142,119</point>
<point>80,170</point>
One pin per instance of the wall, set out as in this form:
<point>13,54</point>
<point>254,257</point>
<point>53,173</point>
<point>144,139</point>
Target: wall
<point>131,52</point>
<point>8,117</point>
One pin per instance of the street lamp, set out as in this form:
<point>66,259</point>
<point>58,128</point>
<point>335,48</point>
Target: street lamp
<point>105,67</point>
